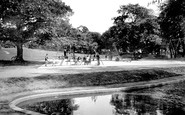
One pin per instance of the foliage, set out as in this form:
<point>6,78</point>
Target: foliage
<point>94,41</point>
<point>172,24</point>
<point>135,28</point>
<point>155,1</point>
<point>83,29</point>
<point>83,35</point>
<point>132,13</point>
<point>105,37</point>
<point>30,20</point>
<point>7,44</point>
<point>60,106</point>
<point>171,18</point>
<point>84,39</point>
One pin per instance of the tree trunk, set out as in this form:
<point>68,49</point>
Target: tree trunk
<point>172,50</point>
<point>116,49</point>
<point>19,56</point>
<point>183,47</point>
<point>175,53</point>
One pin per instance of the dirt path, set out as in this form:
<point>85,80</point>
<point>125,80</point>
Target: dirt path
<point>38,70</point>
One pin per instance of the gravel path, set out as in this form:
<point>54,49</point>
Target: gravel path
<point>37,70</point>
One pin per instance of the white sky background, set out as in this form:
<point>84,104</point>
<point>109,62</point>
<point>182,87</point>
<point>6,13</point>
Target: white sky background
<point>97,15</point>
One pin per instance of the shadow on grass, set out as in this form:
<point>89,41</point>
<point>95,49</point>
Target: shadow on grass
<point>24,63</point>
<point>116,77</point>
<point>103,79</point>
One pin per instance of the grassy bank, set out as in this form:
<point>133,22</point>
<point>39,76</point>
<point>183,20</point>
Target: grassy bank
<point>12,86</point>
<point>16,85</point>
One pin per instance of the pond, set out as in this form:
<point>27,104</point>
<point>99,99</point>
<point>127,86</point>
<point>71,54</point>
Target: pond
<point>166,100</point>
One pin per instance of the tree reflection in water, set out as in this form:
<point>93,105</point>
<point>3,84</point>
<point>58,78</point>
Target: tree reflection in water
<point>55,107</point>
<point>166,100</point>
<point>128,104</point>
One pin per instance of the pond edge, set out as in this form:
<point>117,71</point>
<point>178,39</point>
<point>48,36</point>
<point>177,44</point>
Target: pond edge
<point>92,90</point>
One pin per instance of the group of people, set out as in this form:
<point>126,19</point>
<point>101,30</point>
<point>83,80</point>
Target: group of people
<point>85,60</point>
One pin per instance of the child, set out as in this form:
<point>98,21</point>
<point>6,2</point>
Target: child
<point>46,59</point>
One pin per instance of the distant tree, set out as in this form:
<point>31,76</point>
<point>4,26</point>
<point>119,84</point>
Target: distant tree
<point>60,32</point>
<point>155,2</point>
<point>132,13</point>
<point>83,29</point>
<point>150,35</point>
<point>133,27</point>
<point>22,21</point>
<point>83,37</point>
<point>94,41</point>
<point>105,37</point>
<point>87,39</point>
<point>83,33</point>
<point>172,25</point>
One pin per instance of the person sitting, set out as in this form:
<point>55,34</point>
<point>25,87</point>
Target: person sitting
<point>66,60</point>
<point>94,57</point>
<point>73,60</point>
<point>84,60</point>
<point>78,60</point>
<point>88,60</point>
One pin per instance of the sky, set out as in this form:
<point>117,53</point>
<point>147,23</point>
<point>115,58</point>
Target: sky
<point>97,15</point>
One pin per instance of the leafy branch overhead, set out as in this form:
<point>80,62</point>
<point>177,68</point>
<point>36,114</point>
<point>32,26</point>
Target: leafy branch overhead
<point>28,20</point>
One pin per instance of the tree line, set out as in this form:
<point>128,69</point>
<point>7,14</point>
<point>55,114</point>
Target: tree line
<point>45,23</point>
<point>138,29</point>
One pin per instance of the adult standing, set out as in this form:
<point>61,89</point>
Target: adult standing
<point>98,58</point>
<point>65,53</point>
<point>73,48</point>
<point>46,59</point>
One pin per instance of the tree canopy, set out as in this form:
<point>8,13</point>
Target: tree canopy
<point>135,28</point>
<point>22,21</point>
<point>172,23</point>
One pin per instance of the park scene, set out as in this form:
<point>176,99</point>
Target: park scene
<point>51,66</point>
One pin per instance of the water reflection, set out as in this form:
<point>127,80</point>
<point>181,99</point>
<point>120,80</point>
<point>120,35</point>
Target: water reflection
<point>114,104</point>
<point>55,107</point>
<point>135,105</point>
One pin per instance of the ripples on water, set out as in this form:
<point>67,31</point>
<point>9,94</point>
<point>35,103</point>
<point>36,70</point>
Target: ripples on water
<point>166,100</point>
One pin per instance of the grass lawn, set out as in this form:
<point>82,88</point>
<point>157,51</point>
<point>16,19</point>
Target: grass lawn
<point>31,56</point>
<point>14,85</point>
<point>28,54</point>
<point>21,84</point>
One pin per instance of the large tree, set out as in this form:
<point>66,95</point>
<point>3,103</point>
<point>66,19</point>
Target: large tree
<point>22,21</point>
<point>132,28</point>
<point>172,25</point>
<point>149,30</point>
